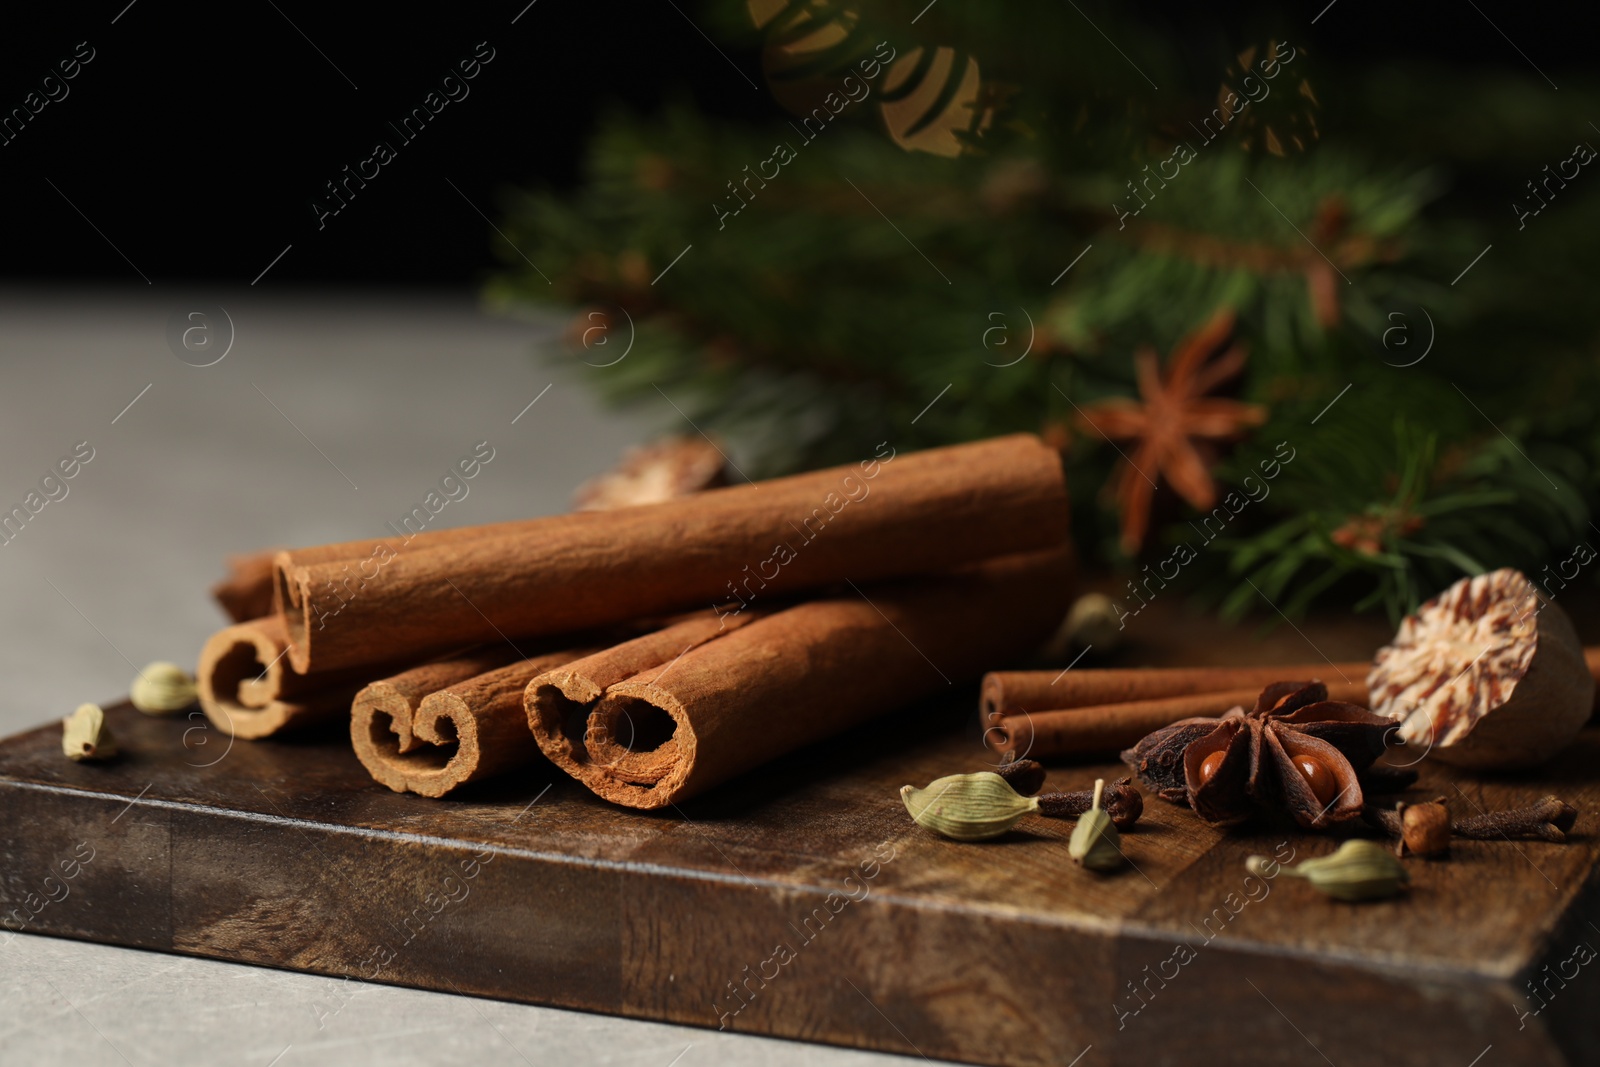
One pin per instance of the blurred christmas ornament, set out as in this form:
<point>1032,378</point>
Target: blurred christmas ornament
<point>820,61</point>
<point>930,99</point>
<point>1277,118</point>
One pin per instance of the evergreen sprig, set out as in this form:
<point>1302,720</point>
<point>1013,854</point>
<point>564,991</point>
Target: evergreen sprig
<point>846,293</point>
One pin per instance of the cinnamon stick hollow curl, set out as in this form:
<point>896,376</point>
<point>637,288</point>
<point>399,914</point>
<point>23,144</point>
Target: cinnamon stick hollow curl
<point>565,696</point>
<point>247,690</point>
<point>890,516</point>
<point>789,678</point>
<point>455,720</point>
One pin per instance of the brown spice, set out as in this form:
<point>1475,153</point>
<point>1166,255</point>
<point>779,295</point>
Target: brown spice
<point>1317,775</point>
<point>1026,776</point>
<point>1175,423</point>
<point>247,690</point>
<point>686,718</point>
<point>1006,693</point>
<point>246,593</point>
<point>1121,801</point>
<point>1485,675</point>
<point>1079,731</point>
<point>1382,779</point>
<point>1549,819</point>
<point>1296,751</point>
<point>929,512</point>
<point>1424,828</point>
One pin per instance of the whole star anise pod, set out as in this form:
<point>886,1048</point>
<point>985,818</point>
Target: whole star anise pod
<point>1295,751</point>
<point>1174,424</point>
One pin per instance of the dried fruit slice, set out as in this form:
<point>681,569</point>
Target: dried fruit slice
<point>1486,674</point>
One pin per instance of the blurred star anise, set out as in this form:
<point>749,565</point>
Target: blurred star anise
<point>1295,751</point>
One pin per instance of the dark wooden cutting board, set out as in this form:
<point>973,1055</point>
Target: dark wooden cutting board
<point>807,887</point>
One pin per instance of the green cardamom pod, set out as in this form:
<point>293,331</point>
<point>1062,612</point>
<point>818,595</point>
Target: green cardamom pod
<point>162,688</point>
<point>1358,870</point>
<point>85,736</point>
<point>967,807</point>
<point>1095,842</point>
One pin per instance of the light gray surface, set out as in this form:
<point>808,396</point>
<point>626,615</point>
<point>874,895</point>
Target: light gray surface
<point>375,397</point>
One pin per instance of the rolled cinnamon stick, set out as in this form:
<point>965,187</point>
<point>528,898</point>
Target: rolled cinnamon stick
<point>1006,693</point>
<point>1012,692</point>
<point>246,593</point>
<point>792,677</point>
<point>1116,727</point>
<point>558,704</point>
<point>247,690</point>
<point>1102,728</point>
<point>455,720</point>
<point>887,517</point>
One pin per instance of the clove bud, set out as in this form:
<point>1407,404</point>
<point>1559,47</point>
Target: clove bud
<point>1122,802</point>
<point>1549,819</point>
<point>1026,776</point>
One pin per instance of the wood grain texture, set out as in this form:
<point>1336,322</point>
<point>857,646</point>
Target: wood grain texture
<point>801,901</point>
<point>288,855</point>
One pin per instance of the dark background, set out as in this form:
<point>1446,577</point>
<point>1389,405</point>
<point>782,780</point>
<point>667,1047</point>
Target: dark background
<point>197,138</point>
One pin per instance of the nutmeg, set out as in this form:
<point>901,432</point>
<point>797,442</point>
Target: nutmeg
<point>1485,675</point>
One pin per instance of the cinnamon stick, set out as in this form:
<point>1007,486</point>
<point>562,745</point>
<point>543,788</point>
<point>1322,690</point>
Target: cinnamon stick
<point>455,720</point>
<point>1113,727</point>
<point>246,593</point>
<point>558,704</point>
<point>887,517</point>
<point>1007,693</point>
<point>247,690</point>
<point>787,679</point>
<point>1012,692</point>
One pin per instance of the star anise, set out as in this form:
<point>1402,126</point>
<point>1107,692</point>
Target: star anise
<point>1174,412</point>
<point>1371,532</point>
<point>1295,751</point>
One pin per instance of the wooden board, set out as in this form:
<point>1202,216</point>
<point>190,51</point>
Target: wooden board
<point>801,902</point>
